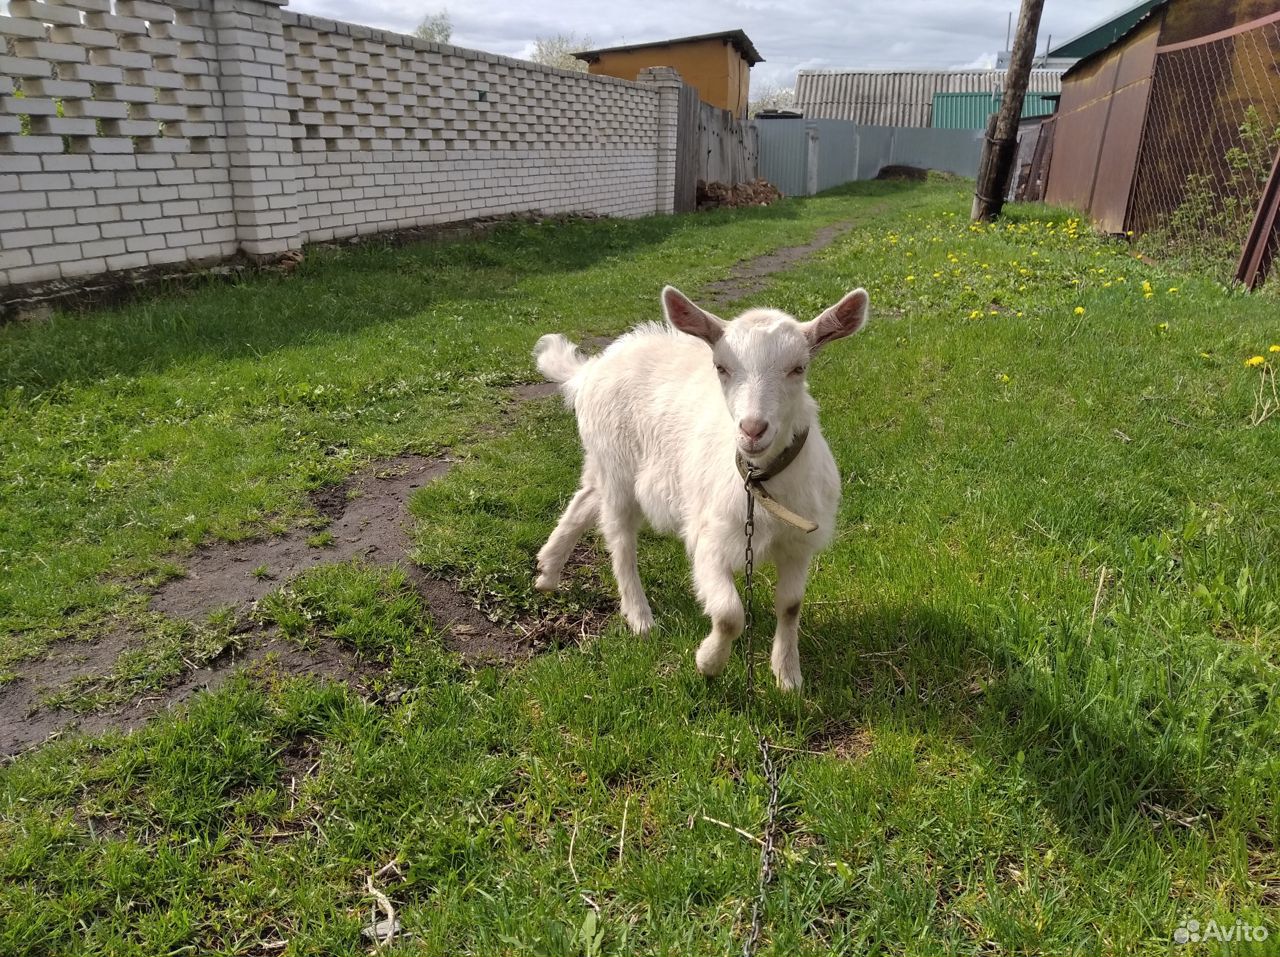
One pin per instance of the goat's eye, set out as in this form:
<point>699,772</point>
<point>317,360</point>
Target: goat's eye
<point>798,370</point>
<point>721,369</point>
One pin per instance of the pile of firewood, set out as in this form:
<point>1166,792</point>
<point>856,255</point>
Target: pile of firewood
<point>760,192</point>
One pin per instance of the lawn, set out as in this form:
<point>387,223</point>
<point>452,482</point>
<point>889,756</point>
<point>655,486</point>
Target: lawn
<point>1041,657</point>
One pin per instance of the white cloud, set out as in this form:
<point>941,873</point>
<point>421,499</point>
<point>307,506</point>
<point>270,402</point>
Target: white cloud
<point>985,61</point>
<point>805,34</point>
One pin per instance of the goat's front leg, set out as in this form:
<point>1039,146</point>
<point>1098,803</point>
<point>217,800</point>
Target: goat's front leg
<point>620,522</point>
<point>713,579</point>
<point>793,573</point>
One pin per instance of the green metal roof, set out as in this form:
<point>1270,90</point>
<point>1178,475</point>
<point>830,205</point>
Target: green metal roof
<point>1102,35</point>
<point>969,111</point>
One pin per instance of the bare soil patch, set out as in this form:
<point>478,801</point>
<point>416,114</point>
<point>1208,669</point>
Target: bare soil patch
<point>848,743</point>
<point>367,516</point>
<point>26,722</point>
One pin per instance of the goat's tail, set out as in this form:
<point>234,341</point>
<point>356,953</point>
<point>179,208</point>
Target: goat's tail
<point>559,361</point>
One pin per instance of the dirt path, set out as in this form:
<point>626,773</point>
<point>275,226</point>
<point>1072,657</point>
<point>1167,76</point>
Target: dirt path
<point>750,276</point>
<point>368,519</point>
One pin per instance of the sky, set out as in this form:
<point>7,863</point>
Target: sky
<point>790,34</point>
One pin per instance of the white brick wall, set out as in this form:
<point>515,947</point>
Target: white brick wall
<point>191,129</point>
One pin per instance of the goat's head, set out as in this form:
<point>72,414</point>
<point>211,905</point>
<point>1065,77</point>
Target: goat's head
<point>762,358</point>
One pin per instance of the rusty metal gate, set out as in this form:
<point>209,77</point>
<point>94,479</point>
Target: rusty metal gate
<point>1099,126</point>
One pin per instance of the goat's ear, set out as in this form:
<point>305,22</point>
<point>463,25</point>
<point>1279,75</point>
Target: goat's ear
<point>685,316</point>
<point>843,319</point>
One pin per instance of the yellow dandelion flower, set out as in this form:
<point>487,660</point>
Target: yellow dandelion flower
<point>1274,348</point>
<point>1146,286</point>
<point>1079,310</point>
<point>1003,379</point>
<point>1163,327</point>
<point>1254,361</point>
<point>1205,355</point>
<point>1172,290</point>
<point>911,279</point>
<point>975,314</point>
<point>1107,284</point>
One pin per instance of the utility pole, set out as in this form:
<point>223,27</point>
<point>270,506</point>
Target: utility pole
<point>1002,141</point>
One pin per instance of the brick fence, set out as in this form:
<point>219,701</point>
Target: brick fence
<point>192,130</point>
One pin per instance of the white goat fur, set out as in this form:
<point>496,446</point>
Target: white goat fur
<point>662,413</point>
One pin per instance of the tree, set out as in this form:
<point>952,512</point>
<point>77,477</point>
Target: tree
<point>558,50</point>
<point>772,97</point>
<point>435,27</point>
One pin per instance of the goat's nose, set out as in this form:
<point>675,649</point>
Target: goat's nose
<point>753,428</point>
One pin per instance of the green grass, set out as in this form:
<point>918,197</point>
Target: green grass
<point>1041,655</point>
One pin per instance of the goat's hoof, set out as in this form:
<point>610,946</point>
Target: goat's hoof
<point>711,657</point>
<point>546,583</point>
<point>789,679</point>
<point>640,622</point>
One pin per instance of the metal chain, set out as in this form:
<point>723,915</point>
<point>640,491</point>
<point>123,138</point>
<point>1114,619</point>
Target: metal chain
<point>768,846</point>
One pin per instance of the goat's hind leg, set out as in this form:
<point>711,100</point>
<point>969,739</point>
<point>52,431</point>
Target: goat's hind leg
<point>583,510</point>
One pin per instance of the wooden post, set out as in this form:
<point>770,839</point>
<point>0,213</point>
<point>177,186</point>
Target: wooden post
<point>1264,235</point>
<point>998,150</point>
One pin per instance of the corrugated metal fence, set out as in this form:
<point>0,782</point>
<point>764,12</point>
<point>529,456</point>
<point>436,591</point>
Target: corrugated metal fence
<point>802,156</point>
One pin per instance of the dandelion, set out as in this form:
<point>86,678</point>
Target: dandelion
<point>1163,327</point>
<point>1254,361</point>
<point>1274,348</point>
<point>1173,290</point>
<point>1205,355</point>
<point>1003,379</point>
<point>1146,286</point>
<point>1079,310</point>
<point>975,314</point>
<point>911,279</point>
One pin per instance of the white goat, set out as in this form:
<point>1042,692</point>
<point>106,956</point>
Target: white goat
<point>667,415</point>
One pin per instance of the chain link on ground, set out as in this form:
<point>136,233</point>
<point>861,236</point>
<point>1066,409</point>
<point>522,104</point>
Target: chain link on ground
<point>768,845</point>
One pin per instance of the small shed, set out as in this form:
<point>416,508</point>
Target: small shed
<point>717,65</point>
